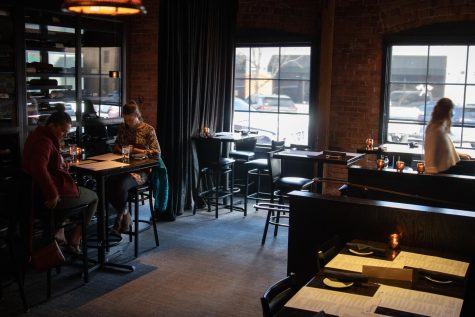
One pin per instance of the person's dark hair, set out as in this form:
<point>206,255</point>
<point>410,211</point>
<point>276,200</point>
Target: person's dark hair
<point>442,112</point>
<point>59,118</point>
<point>132,108</point>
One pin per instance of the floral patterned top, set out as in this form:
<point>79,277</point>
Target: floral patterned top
<point>143,136</point>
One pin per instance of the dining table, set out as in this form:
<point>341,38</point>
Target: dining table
<point>102,167</point>
<point>368,278</point>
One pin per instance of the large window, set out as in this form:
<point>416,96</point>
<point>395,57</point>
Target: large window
<point>418,76</point>
<point>271,93</point>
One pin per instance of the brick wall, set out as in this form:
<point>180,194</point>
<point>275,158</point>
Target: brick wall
<point>358,52</point>
<point>297,16</point>
<point>142,60</point>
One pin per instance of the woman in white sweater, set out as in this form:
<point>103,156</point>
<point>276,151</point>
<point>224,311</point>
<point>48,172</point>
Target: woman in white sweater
<point>440,153</point>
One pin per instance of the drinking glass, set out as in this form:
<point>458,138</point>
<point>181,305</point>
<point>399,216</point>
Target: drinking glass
<point>73,152</point>
<point>126,149</point>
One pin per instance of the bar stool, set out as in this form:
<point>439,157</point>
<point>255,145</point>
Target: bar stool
<point>280,187</point>
<point>31,209</point>
<point>138,194</point>
<point>258,168</point>
<point>213,169</point>
<point>242,153</point>
<point>15,269</point>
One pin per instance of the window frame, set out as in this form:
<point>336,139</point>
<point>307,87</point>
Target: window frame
<point>272,41</point>
<point>441,34</point>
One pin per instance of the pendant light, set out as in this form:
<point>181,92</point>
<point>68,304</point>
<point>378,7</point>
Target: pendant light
<point>104,7</point>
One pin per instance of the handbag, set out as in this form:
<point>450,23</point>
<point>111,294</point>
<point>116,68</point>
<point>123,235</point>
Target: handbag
<point>47,257</point>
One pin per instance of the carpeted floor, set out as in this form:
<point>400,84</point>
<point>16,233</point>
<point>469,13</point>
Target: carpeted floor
<point>203,267</point>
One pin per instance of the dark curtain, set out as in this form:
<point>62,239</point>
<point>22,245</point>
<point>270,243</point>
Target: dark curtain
<point>196,59</point>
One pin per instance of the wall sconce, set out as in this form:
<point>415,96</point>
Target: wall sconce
<point>104,7</point>
<point>114,74</point>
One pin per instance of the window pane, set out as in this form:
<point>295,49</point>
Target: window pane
<point>297,90</point>
<point>409,64</point>
<point>264,62</point>
<point>295,129</point>
<point>447,64</point>
<point>468,137</point>
<point>242,66</point>
<point>241,89</point>
<point>471,65</point>
<point>405,132</point>
<point>266,124</point>
<point>295,63</point>
<point>454,92</point>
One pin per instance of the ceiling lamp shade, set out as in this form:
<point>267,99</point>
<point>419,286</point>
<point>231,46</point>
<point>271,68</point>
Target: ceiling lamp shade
<point>104,7</point>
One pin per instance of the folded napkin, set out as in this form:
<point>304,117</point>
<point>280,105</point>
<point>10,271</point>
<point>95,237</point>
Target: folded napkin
<point>361,247</point>
<point>345,276</point>
<point>438,277</point>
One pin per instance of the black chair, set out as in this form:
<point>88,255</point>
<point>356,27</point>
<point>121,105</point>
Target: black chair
<point>138,194</point>
<point>300,147</point>
<point>244,150</point>
<point>277,295</point>
<point>33,210</point>
<point>258,169</point>
<point>280,187</point>
<point>14,268</point>
<point>96,139</point>
<point>214,171</point>
<point>327,251</point>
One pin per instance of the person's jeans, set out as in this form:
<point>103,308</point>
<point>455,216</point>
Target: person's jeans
<point>85,196</point>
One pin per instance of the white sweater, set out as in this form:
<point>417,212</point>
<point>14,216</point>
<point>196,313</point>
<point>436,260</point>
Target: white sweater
<point>439,150</point>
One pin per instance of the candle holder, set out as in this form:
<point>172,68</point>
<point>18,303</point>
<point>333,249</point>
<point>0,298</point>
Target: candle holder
<point>400,166</point>
<point>380,164</point>
<point>369,143</point>
<point>394,240</point>
<point>421,168</point>
<point>206,132</point>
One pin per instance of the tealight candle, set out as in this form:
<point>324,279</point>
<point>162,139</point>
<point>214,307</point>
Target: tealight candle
<point>400,166</point>
<point>369,144</point>
<point>394,241</point>
<point>380,164</point>
<point>206,132</point>
<point>421,167</point>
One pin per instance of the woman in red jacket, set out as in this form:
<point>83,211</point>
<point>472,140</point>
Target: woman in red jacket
<point>42,160</point>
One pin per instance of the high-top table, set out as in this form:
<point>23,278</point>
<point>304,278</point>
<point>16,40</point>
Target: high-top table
<point>321,158</point>
<point>101,170</point>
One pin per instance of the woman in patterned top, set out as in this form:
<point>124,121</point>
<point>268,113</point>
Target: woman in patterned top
<point>142,137</point>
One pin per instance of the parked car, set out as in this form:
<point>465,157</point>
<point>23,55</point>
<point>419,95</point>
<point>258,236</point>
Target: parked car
<point>272,103</point>
<point>240,105</point>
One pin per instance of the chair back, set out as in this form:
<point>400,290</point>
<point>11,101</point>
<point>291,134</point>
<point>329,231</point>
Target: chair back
<point>95,128</point>
<point>327,251</point>
<point>247,144</point>
<point>274,166</point>
<point>277,145</point>
<point>208,152</point>
<point>300,147</point>
<point>277,295</point>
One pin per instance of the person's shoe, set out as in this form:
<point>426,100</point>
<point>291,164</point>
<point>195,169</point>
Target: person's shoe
<point>125,223</point>
<point>117,224</point>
